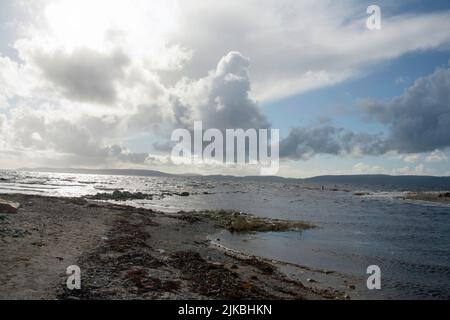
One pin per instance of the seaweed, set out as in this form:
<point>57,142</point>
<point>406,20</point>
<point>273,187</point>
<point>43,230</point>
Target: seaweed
<point>242,223</point>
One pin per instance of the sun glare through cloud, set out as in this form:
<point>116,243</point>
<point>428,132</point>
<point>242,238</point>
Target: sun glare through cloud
<point>140,28</point>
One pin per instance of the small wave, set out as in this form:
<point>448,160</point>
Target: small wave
<point>388,195</point>
<point>87,182</point>
<point>25,186</point>
<point>11,190</point>
<point>103,188</point>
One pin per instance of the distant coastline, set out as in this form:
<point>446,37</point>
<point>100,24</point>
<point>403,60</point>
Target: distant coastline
<point>434,182</point>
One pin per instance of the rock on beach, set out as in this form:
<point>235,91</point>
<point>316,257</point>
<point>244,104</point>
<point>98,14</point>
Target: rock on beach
<point>8,207</point>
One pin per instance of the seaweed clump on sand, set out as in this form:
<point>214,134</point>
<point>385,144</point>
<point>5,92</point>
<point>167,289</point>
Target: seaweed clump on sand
<point>242,222</point>
<point>122,265</point>
<point>215,281</point>
<point>141,278</point>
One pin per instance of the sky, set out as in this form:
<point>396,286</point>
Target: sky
<point>103,84</point>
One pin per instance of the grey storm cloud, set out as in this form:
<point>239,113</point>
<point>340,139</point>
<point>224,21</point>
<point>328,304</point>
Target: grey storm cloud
<point>419,120</point>
<point>303,143</point>
<point>124,155</point>
<point>84,75</point>
<point>82,143</point>
<point>221,100</point>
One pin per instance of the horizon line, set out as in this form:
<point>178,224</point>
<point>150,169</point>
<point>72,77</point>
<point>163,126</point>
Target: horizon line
<point>64,170</point>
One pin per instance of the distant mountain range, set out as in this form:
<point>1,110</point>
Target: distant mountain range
<point>421,182</point>
<point>424,181</point>
<point>118,172</point>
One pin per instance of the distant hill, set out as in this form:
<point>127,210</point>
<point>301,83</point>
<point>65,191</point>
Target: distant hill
<point>253,178</point>
<point>426,182</point>
<point>375,178</point>
<point>119,172</point>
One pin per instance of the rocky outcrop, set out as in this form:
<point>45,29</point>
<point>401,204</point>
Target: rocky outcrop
<point>8,207</point>
<point>121,196</point>
<point>118,195</point>
<point>429,196</point>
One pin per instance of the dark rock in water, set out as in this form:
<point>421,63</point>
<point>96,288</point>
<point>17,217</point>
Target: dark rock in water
<point>361,194</point>
<point>124,195</point>
<point>121,196</point>
<point>184,194</point>
<point>8,207</point>
<point>117,194</point>
<point>429,196</point>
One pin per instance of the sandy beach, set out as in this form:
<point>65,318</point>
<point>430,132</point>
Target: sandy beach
<point>130,253</point>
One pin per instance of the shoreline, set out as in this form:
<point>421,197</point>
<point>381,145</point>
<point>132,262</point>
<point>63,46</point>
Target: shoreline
<point>436,197</point>
<point>133,253</point>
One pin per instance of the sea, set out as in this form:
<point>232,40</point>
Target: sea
<point>358,224</point>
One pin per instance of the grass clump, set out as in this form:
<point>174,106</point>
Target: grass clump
<point>241,222</point>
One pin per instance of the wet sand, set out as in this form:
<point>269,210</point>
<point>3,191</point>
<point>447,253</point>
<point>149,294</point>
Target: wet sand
<point>131,253</point>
